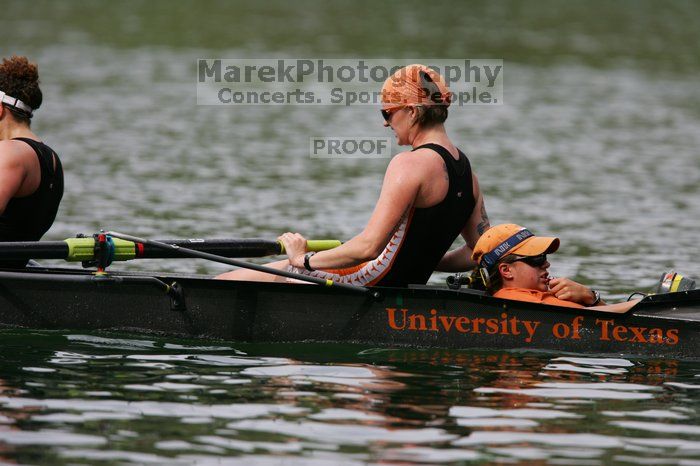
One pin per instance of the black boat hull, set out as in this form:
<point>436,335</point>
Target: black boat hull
<point>661,326</point>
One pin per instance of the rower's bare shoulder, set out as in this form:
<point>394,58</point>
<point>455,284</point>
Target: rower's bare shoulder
<point>14,148</point>
<point>426,152</point>
<point>406,167</point>
<point>411,159</point>
<point>13,152</point>
<point>424,164</point>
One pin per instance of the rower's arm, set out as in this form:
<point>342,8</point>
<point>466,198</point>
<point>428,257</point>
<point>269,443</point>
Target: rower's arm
<point>456,260</point>
<point>617,308</point>
<point>400,188</point>
<point>459,260</point>
<point>570,290</point>
<point>12,174</point>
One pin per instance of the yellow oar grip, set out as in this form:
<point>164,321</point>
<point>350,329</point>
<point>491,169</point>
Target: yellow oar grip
<point>83,249</point>
<point>317,245</point>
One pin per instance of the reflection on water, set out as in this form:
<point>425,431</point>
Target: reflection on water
<point>84,399</point>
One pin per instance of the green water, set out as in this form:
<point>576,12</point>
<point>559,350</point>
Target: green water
<point>597,142</point>
<point>83,399</point>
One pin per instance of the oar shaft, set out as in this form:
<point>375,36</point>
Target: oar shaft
<point>231,248</point>
<point>247,265</point>
<point>33,250</point>
<point>220,247</point>
<point>82,249</point>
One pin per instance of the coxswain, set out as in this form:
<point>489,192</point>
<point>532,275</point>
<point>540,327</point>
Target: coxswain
<point>513,265</point>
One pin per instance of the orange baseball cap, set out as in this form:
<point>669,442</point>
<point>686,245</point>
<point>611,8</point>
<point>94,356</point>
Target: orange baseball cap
<point>415,85</point>
<point>508,238</point>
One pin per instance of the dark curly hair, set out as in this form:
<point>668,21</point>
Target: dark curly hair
<point>20,79</point>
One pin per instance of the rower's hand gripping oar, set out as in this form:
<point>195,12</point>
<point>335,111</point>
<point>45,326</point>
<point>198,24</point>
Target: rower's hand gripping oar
<point>246,265</point>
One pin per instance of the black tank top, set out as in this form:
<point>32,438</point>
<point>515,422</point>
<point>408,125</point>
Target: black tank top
<point>28,218</point>
<point>431,231</point>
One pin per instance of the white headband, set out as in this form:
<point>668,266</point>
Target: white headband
<point>14,102</point>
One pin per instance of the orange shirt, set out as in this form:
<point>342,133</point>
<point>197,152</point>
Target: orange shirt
<point>533,296</point>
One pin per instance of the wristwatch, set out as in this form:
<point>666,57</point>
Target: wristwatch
<point>307,266</point>
<point>596,297</point>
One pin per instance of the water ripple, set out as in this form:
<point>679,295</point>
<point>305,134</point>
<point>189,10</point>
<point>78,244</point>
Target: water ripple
<point>344,434</point>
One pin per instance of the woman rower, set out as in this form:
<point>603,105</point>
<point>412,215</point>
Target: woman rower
<point>429,196</point>
<point>31,176</point>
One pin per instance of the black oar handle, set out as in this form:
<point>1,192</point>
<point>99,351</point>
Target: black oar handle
<point>82,249</point>
<point>183,251</point>
<point>33,250</point>
<point>222,247</point>
<point>219,247</point>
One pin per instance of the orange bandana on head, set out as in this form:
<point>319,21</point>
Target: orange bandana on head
<point>415,85</point>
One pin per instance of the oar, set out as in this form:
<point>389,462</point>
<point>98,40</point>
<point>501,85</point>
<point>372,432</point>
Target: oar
<point>83,249</point>
<point>247,265</point>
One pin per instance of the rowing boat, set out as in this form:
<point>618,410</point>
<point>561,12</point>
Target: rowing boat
<point>663,325</point>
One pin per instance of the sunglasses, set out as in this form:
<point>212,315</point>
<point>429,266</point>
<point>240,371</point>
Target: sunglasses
<point>533,261</point>
<point>386,113</point>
